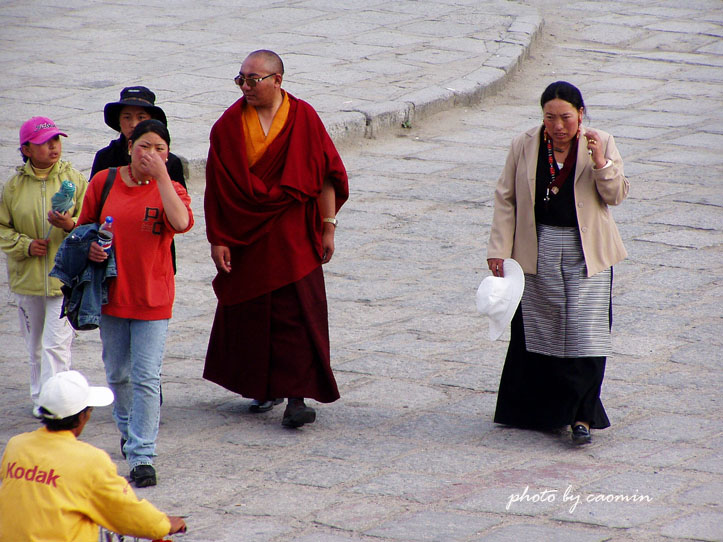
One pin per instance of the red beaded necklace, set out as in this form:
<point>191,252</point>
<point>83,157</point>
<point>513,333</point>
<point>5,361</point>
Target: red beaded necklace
<point>551,160</point>
<point>134,180</point>
<point>556,182</point>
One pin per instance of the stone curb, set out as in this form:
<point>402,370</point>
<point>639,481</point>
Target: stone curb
<point>423,103</point>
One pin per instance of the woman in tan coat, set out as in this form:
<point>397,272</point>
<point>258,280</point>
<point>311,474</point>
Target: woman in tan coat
<point>551,215</point>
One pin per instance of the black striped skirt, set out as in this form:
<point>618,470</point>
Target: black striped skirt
<point>565,312</point>
<point>569,317</point>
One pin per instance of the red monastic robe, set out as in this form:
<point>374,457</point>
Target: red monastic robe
<point>268,214</point>
<point>270,334</point>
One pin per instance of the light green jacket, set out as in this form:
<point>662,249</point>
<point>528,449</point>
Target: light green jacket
<point>24,207</point>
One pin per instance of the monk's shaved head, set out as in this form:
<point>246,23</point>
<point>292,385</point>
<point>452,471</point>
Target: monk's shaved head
<point>270,59</point>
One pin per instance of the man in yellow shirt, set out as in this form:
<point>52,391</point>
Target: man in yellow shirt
<point>57,488</point>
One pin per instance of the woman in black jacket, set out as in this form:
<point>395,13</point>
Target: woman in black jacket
<point>136,104</point>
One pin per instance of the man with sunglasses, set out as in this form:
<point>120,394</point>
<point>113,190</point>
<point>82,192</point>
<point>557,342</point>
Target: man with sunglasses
<point>274,183</point>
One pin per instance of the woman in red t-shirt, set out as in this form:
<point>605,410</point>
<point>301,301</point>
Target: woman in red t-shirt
<point>148,209</point>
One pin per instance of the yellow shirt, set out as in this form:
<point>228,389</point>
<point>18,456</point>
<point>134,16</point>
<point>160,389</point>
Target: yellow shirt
<point>41,173</point>
<point>256,140</point>
<point>56,488</point>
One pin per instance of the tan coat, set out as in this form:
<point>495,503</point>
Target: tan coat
<point>514,233</point>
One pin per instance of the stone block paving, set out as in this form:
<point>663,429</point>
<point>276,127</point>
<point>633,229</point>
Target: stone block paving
<point>364,66</point>
<point>410,453</point>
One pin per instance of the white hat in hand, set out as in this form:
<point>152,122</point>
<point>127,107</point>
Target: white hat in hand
<point>67,393</point>
<point>498,297</point>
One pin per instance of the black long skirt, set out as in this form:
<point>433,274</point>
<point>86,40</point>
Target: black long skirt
<point>546,392</point>
<point>275,345</point>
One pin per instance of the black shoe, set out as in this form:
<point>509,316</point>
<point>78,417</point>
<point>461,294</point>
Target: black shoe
<point>257,406</point>
<point>297,414</point>
<point>143,476</point>
<point>123,443</point>
<point>581,434</point>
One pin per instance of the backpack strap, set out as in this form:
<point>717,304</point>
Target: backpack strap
<point>106,190</point>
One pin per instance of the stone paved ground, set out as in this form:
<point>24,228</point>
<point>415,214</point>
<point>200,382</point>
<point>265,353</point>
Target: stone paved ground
<point>364,66</point>
<point>410,452</point>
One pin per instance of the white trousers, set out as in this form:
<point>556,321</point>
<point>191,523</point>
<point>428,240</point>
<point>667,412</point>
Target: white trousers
<point>47,338</point>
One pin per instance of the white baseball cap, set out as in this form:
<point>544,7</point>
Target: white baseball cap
<point>498,297</point>
<point>67,393</point>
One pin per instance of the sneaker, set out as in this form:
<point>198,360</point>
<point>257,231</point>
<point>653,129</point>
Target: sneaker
<point>297,414</point>
<point>581,434</point>
<point>257,406</point>
<point>143,475</point>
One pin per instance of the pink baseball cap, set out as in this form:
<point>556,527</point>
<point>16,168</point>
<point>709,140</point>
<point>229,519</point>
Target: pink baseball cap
<point>38,130</point>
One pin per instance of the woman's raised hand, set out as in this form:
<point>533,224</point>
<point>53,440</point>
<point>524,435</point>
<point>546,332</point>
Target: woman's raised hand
<point>153,165</point>
<point>595,148</point>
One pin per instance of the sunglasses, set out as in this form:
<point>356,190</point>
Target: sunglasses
<point>250,81</point>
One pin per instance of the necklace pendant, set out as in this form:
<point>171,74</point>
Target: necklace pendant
<point>133,178</point>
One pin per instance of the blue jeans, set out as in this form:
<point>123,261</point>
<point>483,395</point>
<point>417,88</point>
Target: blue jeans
<point>132,355</point>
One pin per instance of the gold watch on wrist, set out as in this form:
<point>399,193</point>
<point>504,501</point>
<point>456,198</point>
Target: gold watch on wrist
<point>333,221</point>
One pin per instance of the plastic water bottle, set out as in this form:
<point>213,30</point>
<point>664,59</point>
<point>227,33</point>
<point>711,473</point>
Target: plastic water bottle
<point>105,234</point>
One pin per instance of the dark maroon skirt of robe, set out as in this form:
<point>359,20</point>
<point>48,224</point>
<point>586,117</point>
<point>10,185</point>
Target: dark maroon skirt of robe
<point>275,345</point>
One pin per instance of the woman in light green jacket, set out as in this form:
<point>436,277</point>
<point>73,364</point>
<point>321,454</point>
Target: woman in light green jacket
<point>30,234</point>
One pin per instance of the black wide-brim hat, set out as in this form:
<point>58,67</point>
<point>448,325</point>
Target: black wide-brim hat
<point>139,96</point>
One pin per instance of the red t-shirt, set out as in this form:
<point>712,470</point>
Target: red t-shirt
<point>144,288</point>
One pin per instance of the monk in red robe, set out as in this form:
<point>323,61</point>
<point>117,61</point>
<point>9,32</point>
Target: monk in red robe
<point>274,183</point>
